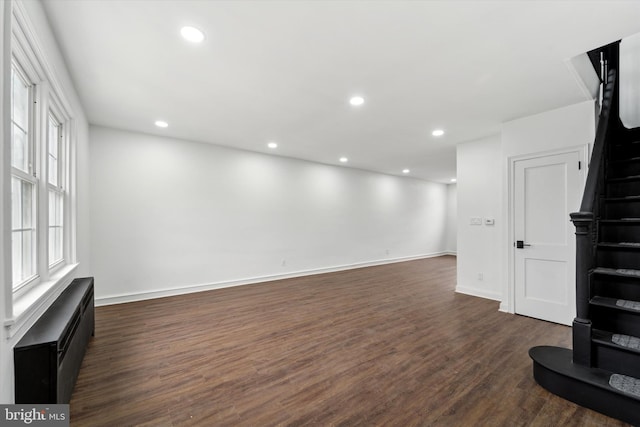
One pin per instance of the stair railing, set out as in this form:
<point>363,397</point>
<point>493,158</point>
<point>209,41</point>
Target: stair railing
<point>585,219</point>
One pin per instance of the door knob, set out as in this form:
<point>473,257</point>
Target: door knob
<point>520,244</point>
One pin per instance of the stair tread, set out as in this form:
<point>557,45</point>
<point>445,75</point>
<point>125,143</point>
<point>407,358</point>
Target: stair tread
<point>617,303</point>
<point>622,272</point>
<point>620,341</point>
<point>625,245</point>
<point>621,221</point>
<point>622,199</point>
<point>629,160</point>
<point>625,384</point>
<point>627,143</point>
<point>624,179</point>
<point>624,148</point>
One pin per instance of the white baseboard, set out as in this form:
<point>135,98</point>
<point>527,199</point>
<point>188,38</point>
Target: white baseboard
<point>161,293</point>
<point>451,253</point>
<point>504,307</point>
<point>482,293</point>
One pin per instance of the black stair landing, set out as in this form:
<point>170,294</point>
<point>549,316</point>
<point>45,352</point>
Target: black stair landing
<point>553,369</point>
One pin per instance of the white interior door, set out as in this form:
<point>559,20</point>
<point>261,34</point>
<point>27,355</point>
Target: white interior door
<point>547,189</point>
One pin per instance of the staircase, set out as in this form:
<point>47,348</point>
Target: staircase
<point>602,372</point>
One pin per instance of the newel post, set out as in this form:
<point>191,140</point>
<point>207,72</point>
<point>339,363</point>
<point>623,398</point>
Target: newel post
<point>584,223</point>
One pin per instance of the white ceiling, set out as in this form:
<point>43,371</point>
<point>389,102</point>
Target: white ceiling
<point>284,71</point>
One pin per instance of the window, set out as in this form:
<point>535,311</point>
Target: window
<point>23,180</point>
<point>38,179</point>
<point>56,190</point>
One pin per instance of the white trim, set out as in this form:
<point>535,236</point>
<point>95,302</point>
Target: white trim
<point>161,293</point>
<point>453,253</point>
<point>33,303</point>
<point>47,70</point>
<point>570,63</point>
<point>482,293</point>
<point>508,304</point>
<point>22,308</point>
<point>5,167</point>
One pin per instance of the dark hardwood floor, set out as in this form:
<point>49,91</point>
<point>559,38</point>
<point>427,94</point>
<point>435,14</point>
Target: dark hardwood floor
<point>391,345</point>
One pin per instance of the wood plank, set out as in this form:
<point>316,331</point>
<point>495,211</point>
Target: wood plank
<point>386,345</point>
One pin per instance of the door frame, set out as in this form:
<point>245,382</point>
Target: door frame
<point>508,303</point>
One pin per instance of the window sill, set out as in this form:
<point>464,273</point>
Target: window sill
<point>35,301</point>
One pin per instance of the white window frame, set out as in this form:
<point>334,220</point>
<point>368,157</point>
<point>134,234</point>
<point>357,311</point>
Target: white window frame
<point>28,73</point>
<point>23,304</point>
<point>63,121</point>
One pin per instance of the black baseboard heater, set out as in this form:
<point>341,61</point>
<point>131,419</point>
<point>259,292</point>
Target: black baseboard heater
<point>47,359</point>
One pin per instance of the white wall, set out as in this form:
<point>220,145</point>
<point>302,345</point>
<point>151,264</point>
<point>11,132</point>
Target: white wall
<point>479,189</point>
<point>6,378</point>
<point>483,191</point>
<point>566,127</point>
<point>630,81</point>
<point>169,216</point>
<point>452,218</point>
<point>54,59</point>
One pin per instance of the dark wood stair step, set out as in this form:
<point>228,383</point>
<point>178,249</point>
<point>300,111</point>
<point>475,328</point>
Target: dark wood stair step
<point>625,199</point>
<point>553,369</point>
<point>624,150</point>
<point>616,341</point>
<point>621,221</point>
<point>630,178</point>
<point>619,230</point>
<point>620,272</point>
<point>619,207</point>
<point>625,161</point>
<point>629,142</point>
<point>620,245</point>
<point>623,167</point>
<point>616,304</point>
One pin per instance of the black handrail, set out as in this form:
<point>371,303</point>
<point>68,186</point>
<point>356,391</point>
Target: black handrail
<point>596,168</point>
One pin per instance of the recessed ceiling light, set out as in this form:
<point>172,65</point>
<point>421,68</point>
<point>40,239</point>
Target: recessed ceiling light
<point>192,34</point>
<point>272,145</point>
<point>343,160</point>
<point>161,123</point>
<point>356,100</point>
<point>437,132</point>
<point>405,171</point>
<point>453,180</point>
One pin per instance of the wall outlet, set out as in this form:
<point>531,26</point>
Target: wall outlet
<point>386,251</point>
<point>475,221</point>
<point>480,277</point>
<point>284,262</point>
